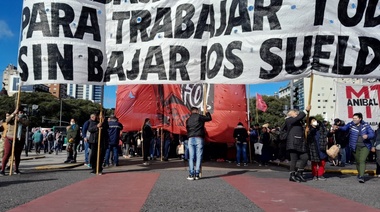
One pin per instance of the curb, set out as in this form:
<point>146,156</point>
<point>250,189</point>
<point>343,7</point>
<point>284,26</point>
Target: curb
<point>338,171</point>
<point>32,158</point>
<point>60,166</point>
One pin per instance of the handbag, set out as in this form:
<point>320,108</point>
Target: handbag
<point>258,148</point>
<point>333,151</point>
<point>180,149</point>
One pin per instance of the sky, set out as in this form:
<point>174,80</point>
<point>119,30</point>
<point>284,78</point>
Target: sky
<point>10,21</point>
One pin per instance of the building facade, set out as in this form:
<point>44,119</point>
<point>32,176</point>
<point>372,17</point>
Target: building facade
<point>11,80</point>
<point>324,91</point>
<point>88,92</point>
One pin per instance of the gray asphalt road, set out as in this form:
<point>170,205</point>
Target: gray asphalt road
<point>172,191</point>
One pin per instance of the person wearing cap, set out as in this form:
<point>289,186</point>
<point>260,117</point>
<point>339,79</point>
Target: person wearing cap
<point>195,126</point>
<point>114,129</point>
<point>241,135</point>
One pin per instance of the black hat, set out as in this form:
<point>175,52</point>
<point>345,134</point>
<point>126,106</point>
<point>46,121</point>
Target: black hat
<point>241,124</point>
<point>336,120</point>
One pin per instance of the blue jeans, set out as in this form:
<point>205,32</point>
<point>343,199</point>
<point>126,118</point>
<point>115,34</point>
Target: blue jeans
<point>195,151</point>
<point>152,148</point>
<point>186,156</point>
<point>241,149</point>
<point>115,154</point>
<point>342,153</point>
<point>86,152</point>
<point>167,149</point>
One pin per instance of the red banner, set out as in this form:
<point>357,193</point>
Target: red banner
<point>168,107</point>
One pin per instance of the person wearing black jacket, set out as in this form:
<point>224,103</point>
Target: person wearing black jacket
<point>241,135</point>
<point>93,128</point>
<point>341,138</point>
<point>195,126</point>
<point>147,136</point>
<point>296,144</point>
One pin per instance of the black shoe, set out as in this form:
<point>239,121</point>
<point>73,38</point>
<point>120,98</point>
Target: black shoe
<point>361,179</point>
<point>17,172</point>
<point>293,177</point>
<point>73,161</point>
<point>92,172</point>
<point>2,173</point>
<point>196,177</point>
<point>299,176</point>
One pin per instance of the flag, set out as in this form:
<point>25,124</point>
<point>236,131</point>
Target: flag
<point>260,104</point>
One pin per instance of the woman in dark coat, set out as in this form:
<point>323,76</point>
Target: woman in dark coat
<point>296,144</point>
<point>317,142</point>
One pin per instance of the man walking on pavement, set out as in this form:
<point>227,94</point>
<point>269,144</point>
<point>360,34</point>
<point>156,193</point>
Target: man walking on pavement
<point>196,133</point>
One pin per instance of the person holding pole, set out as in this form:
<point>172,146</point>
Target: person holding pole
<point>20,132</point>
<point>196,133</point>
<point>296,144</point>
<point>96,143</point>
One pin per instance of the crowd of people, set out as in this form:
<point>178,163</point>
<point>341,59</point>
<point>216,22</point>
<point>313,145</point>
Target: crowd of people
<point>306,139</point>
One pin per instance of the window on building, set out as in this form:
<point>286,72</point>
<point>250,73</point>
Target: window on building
<point>324,113</point>
<point>319,106</point>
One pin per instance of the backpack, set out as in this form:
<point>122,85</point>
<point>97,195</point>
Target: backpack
<point>50,137</point>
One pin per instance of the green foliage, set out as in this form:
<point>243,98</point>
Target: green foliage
<point>49,107</point>
<point>274,114</point>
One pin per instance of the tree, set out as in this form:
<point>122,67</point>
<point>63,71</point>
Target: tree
<point>49,108</point>
<point>274,114</point>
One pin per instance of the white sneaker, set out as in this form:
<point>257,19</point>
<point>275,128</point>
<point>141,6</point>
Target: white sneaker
<point>190,177</point>
<point>146,163</point>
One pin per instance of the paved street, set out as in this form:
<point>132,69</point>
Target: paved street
<point>47,184</point>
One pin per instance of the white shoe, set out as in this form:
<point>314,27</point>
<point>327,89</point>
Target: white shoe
<point>146,163</point>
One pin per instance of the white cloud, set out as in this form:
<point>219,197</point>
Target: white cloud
<point>4,30</point>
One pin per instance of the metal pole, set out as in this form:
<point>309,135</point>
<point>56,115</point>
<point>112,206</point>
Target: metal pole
<point>60,112</point>
<point>291,94</point>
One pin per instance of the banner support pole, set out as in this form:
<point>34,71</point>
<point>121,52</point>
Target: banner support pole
<point>15,129</point>
<point>309,101</point>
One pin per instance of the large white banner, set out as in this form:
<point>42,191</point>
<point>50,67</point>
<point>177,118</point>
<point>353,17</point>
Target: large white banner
<point>181,41</point>
<point>353,98</point>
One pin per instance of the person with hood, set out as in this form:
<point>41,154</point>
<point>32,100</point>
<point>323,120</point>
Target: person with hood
<point>295,143</point>
<point>317,142</point>
<point>360,143</point>
<point>241,135</point>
